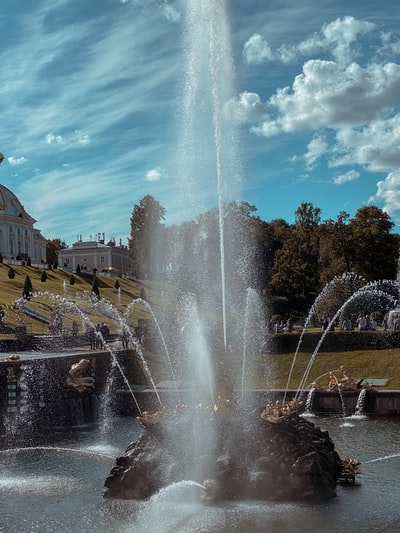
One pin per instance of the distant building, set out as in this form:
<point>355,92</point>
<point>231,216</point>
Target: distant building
<point>96,255</point>
<point>19,239</point>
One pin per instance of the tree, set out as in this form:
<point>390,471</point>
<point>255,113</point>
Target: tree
<point>336,248</point>
<point>95,288</point>
<point>27,289</point>
<point>295,271</point>
<point>146,237</point>
<point>375,248</point>
<point>53,245</point>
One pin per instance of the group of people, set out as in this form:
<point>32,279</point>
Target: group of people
<point>366,323</point>
<point>98,336</point>
<point>281,326</point>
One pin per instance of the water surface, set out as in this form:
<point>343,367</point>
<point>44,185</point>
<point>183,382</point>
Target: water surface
<point>57,487</point>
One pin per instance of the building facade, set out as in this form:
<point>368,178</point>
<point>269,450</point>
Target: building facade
<point>96,256</point>
<point>19,239</point>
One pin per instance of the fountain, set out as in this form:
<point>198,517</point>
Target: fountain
<point>210,442</point>
<point>213,436</point>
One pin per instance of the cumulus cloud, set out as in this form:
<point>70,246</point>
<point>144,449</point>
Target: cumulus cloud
<point>349,103</point>
<point>351,175</point>
<point>375,146</point>
<point>316,148</point>
<point>51,138</point>
<point>256,50</point>
<point>328,96</point>
<point>337,38</point>
<point>339,35</point>
<point>388,192</point>
<point>156,174</point>
<point>246,108</point>
<point>15,161</point>
<point>82,138</point>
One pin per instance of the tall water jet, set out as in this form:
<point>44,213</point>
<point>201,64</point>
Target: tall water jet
<point>208,157</point>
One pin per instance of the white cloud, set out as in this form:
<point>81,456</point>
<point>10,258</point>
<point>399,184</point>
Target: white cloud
<point>351,175</point>
<point>390,43</point>
<point>375,146</point>
<point>337,38</point>
<point>156,174</point>
<point>316,148</point>
<point>256,50</point>
<point>326,95</point>
<point>53,139</point>
<point>82,138</point>
<point>171,14</point>
<point>340,34</point>
<point>388,192</point>
<point>14,161</point>
<point>247,108</point>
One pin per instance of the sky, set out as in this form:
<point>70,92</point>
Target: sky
<point>90,91</point>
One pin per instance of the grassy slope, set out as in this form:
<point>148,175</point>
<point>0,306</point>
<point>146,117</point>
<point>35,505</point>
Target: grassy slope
<point>272,370</point>
<point>58,283</point>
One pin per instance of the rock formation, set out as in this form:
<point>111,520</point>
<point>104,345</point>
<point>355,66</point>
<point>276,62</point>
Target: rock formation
<point>270,455</point>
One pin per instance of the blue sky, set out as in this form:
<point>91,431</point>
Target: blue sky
<point>90,90</point>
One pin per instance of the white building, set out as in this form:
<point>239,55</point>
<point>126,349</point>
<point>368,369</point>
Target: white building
<point>19,239</point>
<point>96,255</point>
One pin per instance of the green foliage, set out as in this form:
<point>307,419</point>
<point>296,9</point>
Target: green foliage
<point>289,264</point>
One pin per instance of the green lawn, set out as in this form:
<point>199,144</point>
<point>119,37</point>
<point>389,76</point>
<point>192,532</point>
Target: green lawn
<point>273,370</point>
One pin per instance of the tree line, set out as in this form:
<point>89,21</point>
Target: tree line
<point>289,264</point>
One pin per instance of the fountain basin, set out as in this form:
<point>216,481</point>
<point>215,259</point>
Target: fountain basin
<point>325,402</point>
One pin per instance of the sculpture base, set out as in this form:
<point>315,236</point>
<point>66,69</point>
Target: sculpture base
<point>234,455</point>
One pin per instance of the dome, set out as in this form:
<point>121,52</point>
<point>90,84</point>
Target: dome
<point>11,206</point>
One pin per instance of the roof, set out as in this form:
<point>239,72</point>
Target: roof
<point>11,206</point>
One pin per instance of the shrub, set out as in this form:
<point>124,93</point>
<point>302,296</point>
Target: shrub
<point>27,289</point>
<point>95,288</point>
